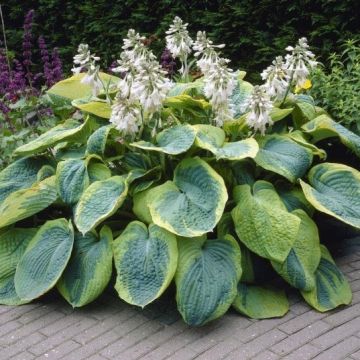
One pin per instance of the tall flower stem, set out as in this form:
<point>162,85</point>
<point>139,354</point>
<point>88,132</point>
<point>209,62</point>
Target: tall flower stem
<point>5,42</point>
<point>288,89</point>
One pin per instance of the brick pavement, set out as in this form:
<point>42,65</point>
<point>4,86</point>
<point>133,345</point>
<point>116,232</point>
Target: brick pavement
<point>110,329</point>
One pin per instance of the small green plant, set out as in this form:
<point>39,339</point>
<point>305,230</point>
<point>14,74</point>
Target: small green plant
<point>199,182</point>
<point>338,90</point>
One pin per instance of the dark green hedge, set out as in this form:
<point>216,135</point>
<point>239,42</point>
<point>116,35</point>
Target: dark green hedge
<point>254,31</point>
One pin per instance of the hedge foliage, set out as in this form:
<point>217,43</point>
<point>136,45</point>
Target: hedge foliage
<point>256,30</point>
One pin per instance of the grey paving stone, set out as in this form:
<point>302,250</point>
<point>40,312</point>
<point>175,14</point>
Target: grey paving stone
<point>183,354</point>
<point>343,315</point>
<point>340,350</point>
<point>301,337</point>
<point>22,344</point>
<point>305,352</point>
<point>23,356</point>
<point>257,345</point>
<point>301,322</point>
<point>339,333</point>
<point>60,351</point>
<point>220,350</point>
<point>62,336</point>
<point>266,355</point>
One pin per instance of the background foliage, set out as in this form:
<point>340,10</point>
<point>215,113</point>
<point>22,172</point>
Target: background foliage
<point>254,31</point>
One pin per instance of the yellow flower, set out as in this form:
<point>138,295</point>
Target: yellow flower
<point>306,85</point>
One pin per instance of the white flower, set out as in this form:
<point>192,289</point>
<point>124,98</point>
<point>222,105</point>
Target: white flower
<point>260,106</point>
<point>135,48</point>
<point>125,115</point>
<point>276,78</point>
<point>219,83</point>
<point>300,61</point>
<point>150,86</point>
<point>205,48</point>
<point>87,61</point>
<point>178,40</point>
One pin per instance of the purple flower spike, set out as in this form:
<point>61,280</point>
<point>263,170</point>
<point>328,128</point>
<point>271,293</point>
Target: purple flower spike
<point>57,71</point>
<point>168,62</point>
<point>27,46</point>
<point>48,72</point>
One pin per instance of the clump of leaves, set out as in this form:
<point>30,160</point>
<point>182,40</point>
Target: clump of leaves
<point>206,207</point>
<point>338,89</point>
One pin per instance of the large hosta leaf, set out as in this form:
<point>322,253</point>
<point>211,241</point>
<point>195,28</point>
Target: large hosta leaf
<point>301,138</point>
<point>213,139</point>
<point>293,197</point>
<point>45,259</point>
<point>26,202</point>
<point>21,174</point>
<point>68,131</point>
<point>323,127</point>
<point>145,261</point>
<point>100,200</point>
<point>262,221</point>
<point>173,141</point>
<point>98,108</point>
<point>72,179</point>
<point>97,141</point>
<point>335,190</point>
<point>192,203</point>
<point>240,96</point>
<point>206,278</point>
<point>259,302</point>
<point>283,156</point>
<point>72,88</point>
<point>13,243</point>
<point>300,265</point>
<point>89,269</point>
<point>331,287</point>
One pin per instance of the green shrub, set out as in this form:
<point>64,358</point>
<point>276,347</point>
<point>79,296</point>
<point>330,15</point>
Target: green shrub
<point>204,182</point>
<point>254,31</point>
<point>338,90</point>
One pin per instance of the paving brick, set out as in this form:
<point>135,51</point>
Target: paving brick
<point>183,354</point>
<point>8,327</point>
<point>103,326</point>
<point>266,355</point>
<point>131,338</point>
<point>35,314</point>
<point>355,275</point>
<point>260,327</point>
<point>220,349</point>
<point>301,322</point>
<point>300,338</point>
<point>340,350</point>
<point>299,308</point>
<point>59,351</point>
<point>31,327</point>
<point>21,345</point>
<point>257,345</point>
<point>305,352</point>
<point>16,312</point>
<point>62,336</point>
<point>107,338</point>
<point>23,356</point>
<point>343,315</point>
<point>153,341</point>
<point>62,323</point>
<point>356,355</point>
<point>355,285</point>
<point>339,333</point>
<point>175,343</point>
<point>355,264</point>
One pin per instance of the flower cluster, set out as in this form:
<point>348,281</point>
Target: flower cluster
<point>87,61</point>
<point>279,77</point>
<point>219,80</point>
<point>259,104</point>
<point>276,78</point>
<point>300,61</point>
<point>143,88</point>
<point>179,43</point>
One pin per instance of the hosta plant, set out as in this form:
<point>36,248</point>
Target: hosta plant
<point>210,184</point>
